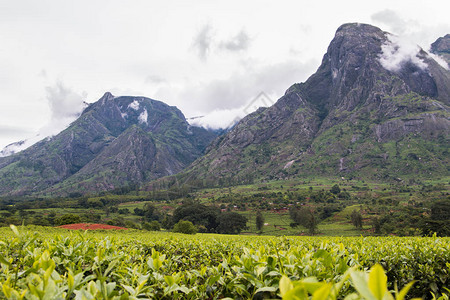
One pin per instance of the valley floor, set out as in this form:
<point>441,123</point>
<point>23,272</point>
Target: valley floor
<point>399,208</point>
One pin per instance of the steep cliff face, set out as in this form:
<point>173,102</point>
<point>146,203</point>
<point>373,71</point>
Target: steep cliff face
<point>116,141</point>
<point>367,112</point>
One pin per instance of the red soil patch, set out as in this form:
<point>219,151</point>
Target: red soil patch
<point>87,226</point>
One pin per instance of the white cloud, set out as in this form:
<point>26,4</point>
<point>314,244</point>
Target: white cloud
<point>64,102</point>
<point>398,51</point>
<point>226,118</point>
<point>439,60</point>
<point>238,43</point>
<point>206,41</point>
<point>13,132</point>
<point>202,41</point>
<point>393,20</point>
<point>238,89</point>
<point>143,117</point>
<point>155,79</point>
<point>134,105</point>
<point>422,33</point>
<point>217,119</point>
<point>65,106</point>
<point>20,146</point>
<point>410,29</point>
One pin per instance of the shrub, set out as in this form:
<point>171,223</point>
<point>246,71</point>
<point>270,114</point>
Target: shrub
<point>185,227</point>
<point>152,226</point>
<point>68,219</point>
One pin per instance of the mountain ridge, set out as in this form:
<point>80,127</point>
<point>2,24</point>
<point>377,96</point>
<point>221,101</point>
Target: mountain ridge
<point>91,149</point>
<point>370,111</point>
<point>353,117</point>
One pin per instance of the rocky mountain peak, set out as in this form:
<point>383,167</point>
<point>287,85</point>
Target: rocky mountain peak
<point>115,142</point>
<point>442,44</point>
<point>441,47</point>
<point>363,62</point>
<point>107,96</point>
<point>352,30</point>
<point>374,99</point>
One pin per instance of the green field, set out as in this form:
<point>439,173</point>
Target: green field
<point>401,208</point>
<point>50,263</point>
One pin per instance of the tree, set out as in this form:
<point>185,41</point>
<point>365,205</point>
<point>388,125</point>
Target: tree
<point>259,221</point>
<point>439,221</point>
<point>118,221</point>
<point>231,223</point>
<point>356,219</point>
<point>335,189</point>
<point>185,227</point>
<point>82,202</point>
<point>376,225</point>
<point>311,222</point>
<point>148,212</point>
<point>152,226</point>
<point>68,219</point>
<point>440,210</point>
<point>123,211</point>
<point>198,214</point>
<point>167,222</point>
<point>91,218</point>
<point>39,220</point>
<point>304,217</point>
<point>51,217</point>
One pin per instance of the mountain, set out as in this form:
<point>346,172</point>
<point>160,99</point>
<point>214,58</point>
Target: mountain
<point>441,47</point>
<point>376,108</point>
<point>117,141</point>
<point>371,110</point>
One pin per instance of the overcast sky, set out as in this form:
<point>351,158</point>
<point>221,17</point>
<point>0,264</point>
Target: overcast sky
<point>206,57</point>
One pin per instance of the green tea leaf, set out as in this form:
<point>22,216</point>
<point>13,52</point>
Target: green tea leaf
<point>4,261</point>
<point>15,230</point>
<point>378,282</point>
<point>285,285</point>
<point>323,292</point>
<point>401,295</point>
<point>361,285</point>
<point>266,289</point>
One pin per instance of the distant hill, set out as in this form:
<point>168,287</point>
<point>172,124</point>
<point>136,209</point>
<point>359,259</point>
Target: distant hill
<point>117,141</point>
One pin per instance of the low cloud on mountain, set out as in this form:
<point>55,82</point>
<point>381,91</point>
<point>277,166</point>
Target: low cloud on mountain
<point>65,106</point>
<point>399,51</point>
<point>222,101</point>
